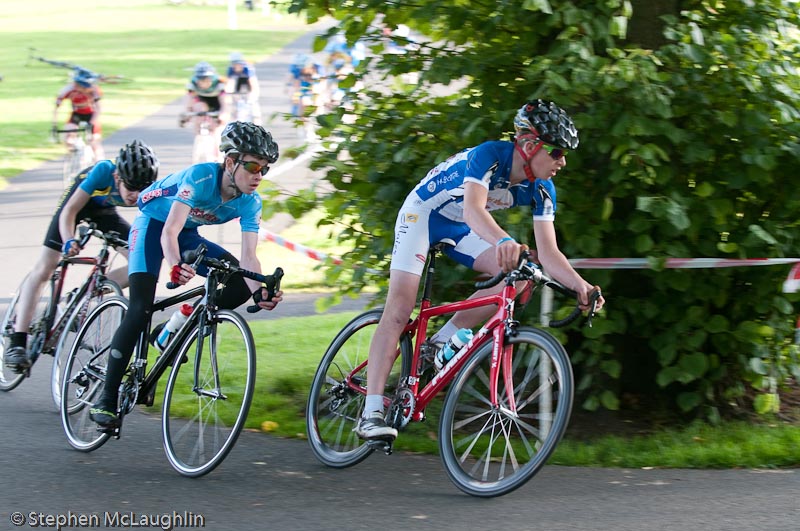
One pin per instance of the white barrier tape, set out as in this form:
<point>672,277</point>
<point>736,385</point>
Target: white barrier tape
<point>791,285</point>
<point>676,263</point>
<point>296,247</point>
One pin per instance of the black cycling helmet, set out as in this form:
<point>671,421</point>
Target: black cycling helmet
<point>247,137</point>
<point>548,122</point>
<point>137,165</point>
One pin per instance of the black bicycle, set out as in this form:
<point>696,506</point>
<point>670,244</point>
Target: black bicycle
<point>209,389</point>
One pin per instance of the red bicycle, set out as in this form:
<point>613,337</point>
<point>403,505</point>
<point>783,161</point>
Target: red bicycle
<point>58,317</point>
<point>510,396</point>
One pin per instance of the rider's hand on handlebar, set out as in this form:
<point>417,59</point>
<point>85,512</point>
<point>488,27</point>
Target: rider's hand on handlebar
<point>584,296</point>
<point>71,247</point>
<point>181,273</point>
<point>507,254</point>
<point>261,295</point>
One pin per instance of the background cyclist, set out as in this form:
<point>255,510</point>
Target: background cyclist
<point>171,210</point>
<point>243,83</point>
<point>454,200</point>
<point>205,92</point>
<point>94,194</point>
<point>84,94</point>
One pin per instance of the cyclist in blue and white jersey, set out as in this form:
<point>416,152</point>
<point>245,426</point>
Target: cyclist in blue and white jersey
<point>454,201</point>
<point>94,195</point>
<point>243,83</point>
<point>171,210</point>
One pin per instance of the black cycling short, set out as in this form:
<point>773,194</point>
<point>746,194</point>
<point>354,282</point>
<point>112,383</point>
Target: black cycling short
<point>106,218</point>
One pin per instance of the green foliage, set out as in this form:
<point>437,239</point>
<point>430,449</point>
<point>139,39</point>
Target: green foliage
<point>686,151</point>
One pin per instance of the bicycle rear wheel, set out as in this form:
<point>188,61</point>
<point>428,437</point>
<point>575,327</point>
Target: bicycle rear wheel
<point>207,398</point>
<point>489,451</point>
<point>105,288</point>
<point>85,372</point>
<point>338,391</point>
<point>8,379</point>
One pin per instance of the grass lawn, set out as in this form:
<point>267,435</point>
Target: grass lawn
<point>153,42</point>
<point>290,349</point>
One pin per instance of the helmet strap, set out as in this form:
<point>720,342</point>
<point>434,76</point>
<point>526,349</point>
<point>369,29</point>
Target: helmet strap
<point>232,179</point>
<point>526,158</point>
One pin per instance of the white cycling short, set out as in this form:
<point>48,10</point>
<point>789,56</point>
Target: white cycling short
<point>418,227</point>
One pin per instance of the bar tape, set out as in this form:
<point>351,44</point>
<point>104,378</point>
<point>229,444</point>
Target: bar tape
<point>791,285</point>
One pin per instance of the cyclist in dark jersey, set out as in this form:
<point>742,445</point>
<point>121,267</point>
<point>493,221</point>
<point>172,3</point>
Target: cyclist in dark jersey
<point>171,210</point>
<point>454,201</point>
<point>94,195</point>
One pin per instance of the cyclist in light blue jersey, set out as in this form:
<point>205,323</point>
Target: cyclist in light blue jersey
<point>171,210</point>
<point>93,196</point>
<point>454,201</point>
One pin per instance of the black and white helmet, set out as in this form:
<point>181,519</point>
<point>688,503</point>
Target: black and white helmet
<point>137,165</point>
<point>548,122</point>
<point>247,137</point>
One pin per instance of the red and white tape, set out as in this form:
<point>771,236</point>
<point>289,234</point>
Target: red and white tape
<point>296,247</point>
<point>791,285</point>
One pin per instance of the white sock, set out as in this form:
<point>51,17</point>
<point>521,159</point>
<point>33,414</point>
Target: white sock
<point>445,333</point>
<point>373,403</point>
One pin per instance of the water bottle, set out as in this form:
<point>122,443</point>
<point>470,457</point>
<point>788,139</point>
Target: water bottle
<point>450,348</point>
<point>173,325</point>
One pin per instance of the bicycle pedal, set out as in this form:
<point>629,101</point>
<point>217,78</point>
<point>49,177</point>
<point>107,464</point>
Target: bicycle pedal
<point>383,445</point>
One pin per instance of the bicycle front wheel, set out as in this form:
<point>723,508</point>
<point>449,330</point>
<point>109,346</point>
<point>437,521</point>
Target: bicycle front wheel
<point>85,373</point>
<point>338,391</point>
<point>207,398</point>
<point>8,379</point>
<point>105,289</point>
<point>490,451</point>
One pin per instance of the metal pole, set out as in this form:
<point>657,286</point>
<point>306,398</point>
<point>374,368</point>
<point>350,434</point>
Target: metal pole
<point>232,14</point>
<point>545,369</point>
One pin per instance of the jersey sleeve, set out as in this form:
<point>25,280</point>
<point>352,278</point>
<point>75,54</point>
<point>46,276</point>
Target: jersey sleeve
<point>99,178</point>
<point>482,161</point>
<point>544,200</point>
<point>251,213</point>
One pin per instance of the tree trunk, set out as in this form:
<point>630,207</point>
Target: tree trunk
<point>646,27</point>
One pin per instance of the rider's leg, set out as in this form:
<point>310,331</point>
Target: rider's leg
<point>400,303</point>
<point>486,262</point>
<point>16,357</point>
<point>142,293</point>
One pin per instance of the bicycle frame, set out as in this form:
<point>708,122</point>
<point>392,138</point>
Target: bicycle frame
<point>495,329</point>
<point>53,327</point>
<point>148,380</point>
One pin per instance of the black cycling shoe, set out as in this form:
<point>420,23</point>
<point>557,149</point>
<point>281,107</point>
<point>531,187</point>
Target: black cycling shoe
<point>105,415</point>
<point>16,359</point>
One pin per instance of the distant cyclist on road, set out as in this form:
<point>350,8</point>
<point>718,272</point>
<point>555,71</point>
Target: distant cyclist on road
<point>454,201</point>
<point>243,83</point>
<point>206,94</point>
<point>84,94</point>
<point>172,209</point>
<point>94,195</point>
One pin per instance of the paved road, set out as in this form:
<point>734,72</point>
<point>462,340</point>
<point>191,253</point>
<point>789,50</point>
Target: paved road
<point>271,483</point>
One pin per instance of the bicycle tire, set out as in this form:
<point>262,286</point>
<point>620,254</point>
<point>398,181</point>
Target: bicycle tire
<point>199,429</point>
<point>84,374</point>
<point>489,452</point>
<point>105,288</point>
<point>333,408</point>
<point>71,166</point>
<point>9,380</point>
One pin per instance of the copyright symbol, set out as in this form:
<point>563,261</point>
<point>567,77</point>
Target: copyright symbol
<point>17,518</point>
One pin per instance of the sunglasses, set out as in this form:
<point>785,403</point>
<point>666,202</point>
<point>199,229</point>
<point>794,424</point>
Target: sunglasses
<point>254,167</point>
<point>554,152</point>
